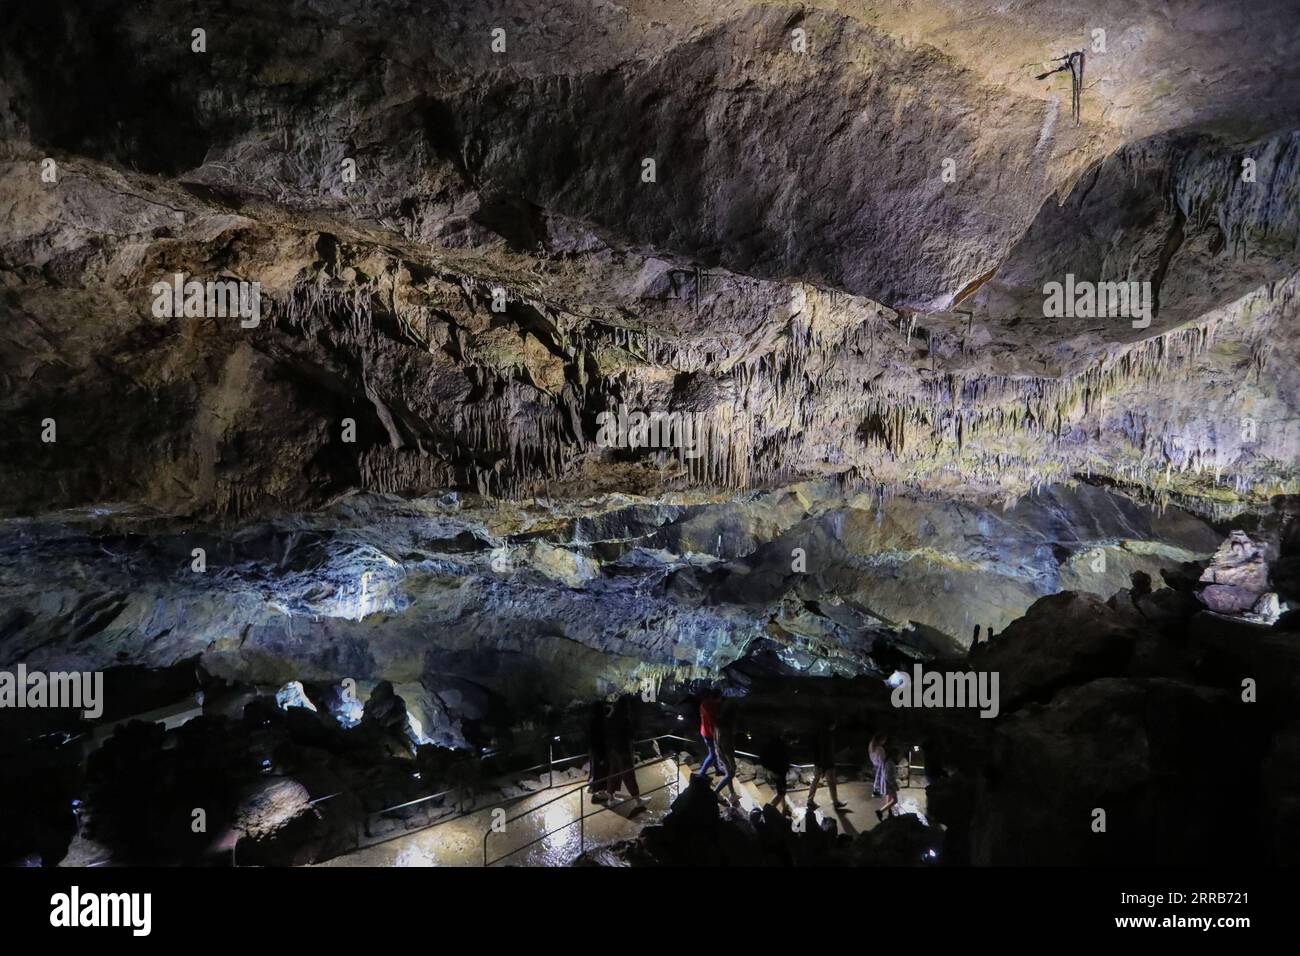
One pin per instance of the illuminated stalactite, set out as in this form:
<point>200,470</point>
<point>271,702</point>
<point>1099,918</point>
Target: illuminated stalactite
<point>817,401</point>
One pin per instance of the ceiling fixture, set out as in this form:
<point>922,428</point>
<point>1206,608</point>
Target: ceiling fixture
<point>1074,63</point>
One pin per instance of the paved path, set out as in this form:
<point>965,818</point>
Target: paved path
<point>459,842</point>
<point>550,818</point>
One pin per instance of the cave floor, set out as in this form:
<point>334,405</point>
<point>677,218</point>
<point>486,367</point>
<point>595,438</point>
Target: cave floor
<point>546,832</point>
<point>459,842</point>
<point>860,815</point>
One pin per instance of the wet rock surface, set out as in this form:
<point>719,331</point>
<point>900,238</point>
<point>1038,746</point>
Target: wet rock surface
<point>464,605</point>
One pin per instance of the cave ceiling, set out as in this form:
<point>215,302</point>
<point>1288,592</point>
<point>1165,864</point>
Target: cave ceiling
<point>837,267</point>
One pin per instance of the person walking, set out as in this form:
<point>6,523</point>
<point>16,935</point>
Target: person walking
<point>886,782</point>
<point>622,763</point>
<point>824,766</point>
<point>724,742</point>
<point>597,753</point>
<point>774,756</point>
<point>710,704</point>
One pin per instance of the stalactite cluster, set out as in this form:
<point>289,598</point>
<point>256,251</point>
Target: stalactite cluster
<point>836,392</point>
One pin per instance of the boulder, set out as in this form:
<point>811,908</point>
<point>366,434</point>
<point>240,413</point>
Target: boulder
<point>1063,640</point>
<point>269,805</point>
<point>1104,775</point>
<point>901,840</point>
<point>1237,576</point>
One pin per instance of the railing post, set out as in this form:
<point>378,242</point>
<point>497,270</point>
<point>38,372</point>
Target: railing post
<point>550,761</point>
<point>582,822</point>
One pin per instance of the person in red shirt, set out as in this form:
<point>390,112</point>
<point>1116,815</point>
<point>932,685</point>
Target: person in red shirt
<point>710,704</point>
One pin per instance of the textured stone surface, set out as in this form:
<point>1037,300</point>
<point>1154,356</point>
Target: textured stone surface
<point>460,603</point>
<point>785,277</point>
<point>1237,576</point>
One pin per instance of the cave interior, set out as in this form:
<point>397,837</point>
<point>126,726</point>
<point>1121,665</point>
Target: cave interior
<point>410,411</point>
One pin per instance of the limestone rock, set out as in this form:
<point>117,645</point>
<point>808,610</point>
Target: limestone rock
<point>269,806</point>
<point>1237,576</point>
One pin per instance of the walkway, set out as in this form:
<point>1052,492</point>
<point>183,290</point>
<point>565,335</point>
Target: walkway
<point>459,842</point>
<point>555,828</point>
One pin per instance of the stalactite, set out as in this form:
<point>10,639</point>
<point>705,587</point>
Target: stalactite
<point>840,366</point>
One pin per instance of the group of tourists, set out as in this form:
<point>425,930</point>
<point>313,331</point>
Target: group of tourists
<point>717,728</point>
<point>612,762</point>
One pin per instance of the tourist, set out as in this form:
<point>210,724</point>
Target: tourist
<point>774,755</point>
<point>597,753</point>
<point>622,762</point>
<point>886,781</point>
<point>724,743</point>
<point>824,766</point>
<point>710,703</point>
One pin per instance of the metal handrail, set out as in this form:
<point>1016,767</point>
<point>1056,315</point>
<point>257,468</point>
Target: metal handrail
<point>550,765</point>
<point>581,790</point>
